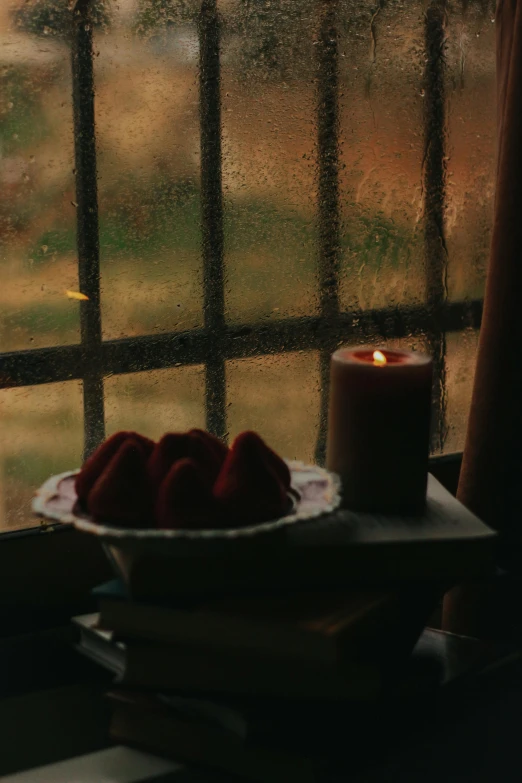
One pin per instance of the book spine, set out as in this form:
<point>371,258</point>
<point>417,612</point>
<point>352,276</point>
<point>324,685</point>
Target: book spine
<point>164,669</point>
<point>216,632</point>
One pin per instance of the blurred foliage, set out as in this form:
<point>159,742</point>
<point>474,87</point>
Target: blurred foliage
<point>22,123</point>
<point>22,120</point>
<point>376,241</point>
<point>160,214</point>
<point>157,215</point>
<point>273,35</point>
<point>155,16</point>
<point>36,467</point>
<point>39,318</point>
<point>276,40</point>
<point>53,242</point>
<point>53,17</point>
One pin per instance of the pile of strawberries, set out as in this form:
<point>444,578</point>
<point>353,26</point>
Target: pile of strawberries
<point>184,481</point>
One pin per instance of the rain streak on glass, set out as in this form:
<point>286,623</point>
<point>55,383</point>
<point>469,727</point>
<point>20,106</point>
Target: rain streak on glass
<point>147,126</point>
<point>470,182</point>
<point>269,158</point>
<point>381,116</point>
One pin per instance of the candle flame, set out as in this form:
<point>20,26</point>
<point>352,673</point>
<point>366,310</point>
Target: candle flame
<point>379,359</point>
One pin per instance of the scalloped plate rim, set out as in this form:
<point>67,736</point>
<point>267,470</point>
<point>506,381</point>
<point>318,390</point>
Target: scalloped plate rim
<point>50,487</point>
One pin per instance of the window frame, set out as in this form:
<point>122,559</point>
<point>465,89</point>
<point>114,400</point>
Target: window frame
<point>217,342</point>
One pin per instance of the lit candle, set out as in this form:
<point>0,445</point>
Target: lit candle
<point>378,428</point>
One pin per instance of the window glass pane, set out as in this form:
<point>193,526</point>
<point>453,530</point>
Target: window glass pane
<point>381,108</point>
<point>471,145</point>
<point>156,402</point>
<point>278,396</point>
<point>269,141</point>
<point>148,143</point>
<point>471,129</point>
<point>461,356</point>
<point>41,433</point>
<point>148,139</point>
<point>37,213</point>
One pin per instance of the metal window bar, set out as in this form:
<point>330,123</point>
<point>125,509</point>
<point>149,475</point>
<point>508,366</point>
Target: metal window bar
<point>328,207</point>
<point>212,215</point>
<point>87,224</point>
<point>218,342</point>
<point>434,181</point>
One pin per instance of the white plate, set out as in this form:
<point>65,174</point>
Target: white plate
<point>318,491</point>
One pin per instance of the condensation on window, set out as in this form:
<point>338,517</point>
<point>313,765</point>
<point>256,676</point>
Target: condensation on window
<point>37,212</point>
<point>156,402</point>
<point>470,164</point>
<point>381,61</point>
<point>470,185</point>
<point>383,146</point>
<point>148,139</point>
<point>41,434</point>
<point>147,125</point>
<point>460,370</point>
<point>279,397</point>
<point>269,158</point>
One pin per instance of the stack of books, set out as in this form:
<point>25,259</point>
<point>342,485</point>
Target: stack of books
<point>250,684</point>
<point>266,666</point>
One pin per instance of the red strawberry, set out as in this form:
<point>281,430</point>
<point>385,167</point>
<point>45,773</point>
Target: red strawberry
<point>185,500</point>
<point>203,448</point>
<point>146,443</point>
<point>172,447</point>
<point>216,444</point>
<point>121,495</point>
<point>277,464</point>
<point>94,466</point>
<point>248,488</point>
<point>208,452</point>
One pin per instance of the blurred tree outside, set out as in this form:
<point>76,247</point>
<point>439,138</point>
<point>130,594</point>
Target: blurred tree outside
<point>52,17</point>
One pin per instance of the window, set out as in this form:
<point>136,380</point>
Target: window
<point>331,183</point>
